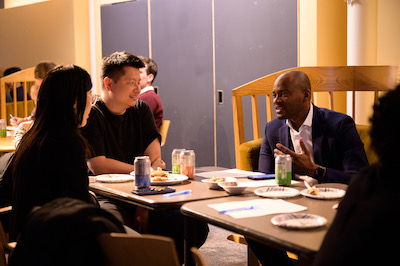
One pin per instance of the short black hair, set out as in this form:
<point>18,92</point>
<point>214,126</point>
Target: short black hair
<point>11,70</point>
<point>113,65</point>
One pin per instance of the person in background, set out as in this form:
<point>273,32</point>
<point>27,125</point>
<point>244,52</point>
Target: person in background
<point>363,230</point>
<point>7,72</point>
<point>24,124</point>
<point>147,76</point>
<point>10,86</point>
<point>50,161</point>
<point>324,145</point>
<point>121,127</point>
<point>40,72</point>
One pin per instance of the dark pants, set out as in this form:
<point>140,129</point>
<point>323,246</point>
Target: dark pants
<point>268,255</point>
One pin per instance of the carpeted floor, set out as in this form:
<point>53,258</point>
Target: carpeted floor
<point>220,251</point>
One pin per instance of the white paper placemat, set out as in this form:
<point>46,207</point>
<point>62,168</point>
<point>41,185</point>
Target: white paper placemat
<point>255,208</point>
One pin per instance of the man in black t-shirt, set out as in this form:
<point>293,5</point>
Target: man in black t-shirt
<point>121,127</point>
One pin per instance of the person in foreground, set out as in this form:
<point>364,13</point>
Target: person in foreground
<point>364,231</point>
<point>147,93</point>
<point>121,127</point>
<point>323,144</point>
<point>50,161</point>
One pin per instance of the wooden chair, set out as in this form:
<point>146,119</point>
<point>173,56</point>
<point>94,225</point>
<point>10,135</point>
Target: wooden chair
<point>150,250</point>
<point>164,131</point>
<point>23,108</point>
<point>328,79</point>
<point>198,257</point>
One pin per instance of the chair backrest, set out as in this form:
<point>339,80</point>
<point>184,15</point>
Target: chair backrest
<point>198,257</point>
<point>327,79</point>
<point>27,79</point>
<point>149,250</point>
<point>164,131</point>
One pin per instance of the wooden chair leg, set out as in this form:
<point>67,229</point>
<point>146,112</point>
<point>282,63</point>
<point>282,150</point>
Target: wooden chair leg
<point>141,222</point>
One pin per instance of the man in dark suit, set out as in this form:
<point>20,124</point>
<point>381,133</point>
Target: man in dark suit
<point>323,144</point>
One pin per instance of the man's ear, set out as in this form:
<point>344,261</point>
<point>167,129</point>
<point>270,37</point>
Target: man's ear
<point>150,78</point>
<point>307,94</point>
<point>107,83</point>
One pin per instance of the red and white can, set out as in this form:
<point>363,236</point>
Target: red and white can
<point>187,163</point>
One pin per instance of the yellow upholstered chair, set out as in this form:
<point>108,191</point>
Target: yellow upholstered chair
<point>150,250</point>
<point>164,131</point>
<point>327,79</point>
<point>22,108</point>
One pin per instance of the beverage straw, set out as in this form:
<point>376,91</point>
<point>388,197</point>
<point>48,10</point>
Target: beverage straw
<point>240,209</point>
<point>184,192</point>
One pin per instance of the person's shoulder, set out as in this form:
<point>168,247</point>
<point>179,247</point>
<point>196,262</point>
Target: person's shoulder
<point>140,105</point>
<point>276,123</point>
<point>332,117</point>
<point>330,113</point>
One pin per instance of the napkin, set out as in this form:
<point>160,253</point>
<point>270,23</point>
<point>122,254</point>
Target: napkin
<point>257,207</point>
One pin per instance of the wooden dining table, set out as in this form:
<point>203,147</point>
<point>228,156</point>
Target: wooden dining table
<point>303,242</point>
<point>7,144</point>
<point>123,192</point>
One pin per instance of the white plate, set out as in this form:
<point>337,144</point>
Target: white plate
<point>298,220</point>
<point>325,193</point>
<point>114,178</point>
<point>177,179</point>
<point>276,192</point>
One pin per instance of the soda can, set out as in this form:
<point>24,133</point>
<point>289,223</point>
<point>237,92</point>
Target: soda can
<point>3,128</point>
<point>283,170</point>
<point>142,171</point>
<point>175,158</point>
<point>187,163</point>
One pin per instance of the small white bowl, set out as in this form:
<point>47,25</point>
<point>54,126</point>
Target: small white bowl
<point>214,185</point>
<point>233,188</point>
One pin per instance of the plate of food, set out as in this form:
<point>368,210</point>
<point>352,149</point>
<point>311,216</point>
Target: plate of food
<point>298,220</point>
<point>212,183</point>
<point>114,178</point>
<point>163,178</point>
<point>276,192</point>
<point>323,193</point>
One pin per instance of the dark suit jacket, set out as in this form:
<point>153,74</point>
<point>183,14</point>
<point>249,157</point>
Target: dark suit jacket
<point>336,145</point>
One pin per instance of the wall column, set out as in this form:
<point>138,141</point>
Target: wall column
<point>362,17</point>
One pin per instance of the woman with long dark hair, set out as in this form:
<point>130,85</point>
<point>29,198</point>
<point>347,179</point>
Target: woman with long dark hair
<point>50,161</point>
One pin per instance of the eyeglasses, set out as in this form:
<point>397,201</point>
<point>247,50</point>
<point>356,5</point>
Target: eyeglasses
<point>95,97</point>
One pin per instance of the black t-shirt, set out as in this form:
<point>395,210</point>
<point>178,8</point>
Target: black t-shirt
<point>120,137</point>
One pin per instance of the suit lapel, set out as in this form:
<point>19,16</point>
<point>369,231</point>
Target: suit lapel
<point>318,129</point>
<point>284,136</point>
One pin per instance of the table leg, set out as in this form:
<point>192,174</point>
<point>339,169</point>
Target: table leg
<point>190,239</point>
